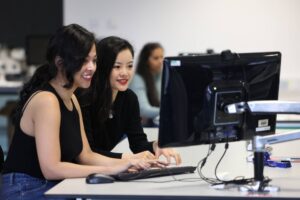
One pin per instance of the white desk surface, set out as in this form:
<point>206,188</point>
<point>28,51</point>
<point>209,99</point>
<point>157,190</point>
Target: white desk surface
<point>234,164</point>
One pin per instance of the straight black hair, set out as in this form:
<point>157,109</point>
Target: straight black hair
<point>101,91</point>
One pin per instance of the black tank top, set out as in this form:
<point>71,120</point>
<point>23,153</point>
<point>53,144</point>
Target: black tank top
<point>22,156</point>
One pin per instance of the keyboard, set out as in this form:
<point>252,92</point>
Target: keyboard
<point>157,172</point>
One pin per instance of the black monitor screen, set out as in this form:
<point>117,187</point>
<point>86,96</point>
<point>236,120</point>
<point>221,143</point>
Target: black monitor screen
<point>196,89</point>
<point>36,47</point>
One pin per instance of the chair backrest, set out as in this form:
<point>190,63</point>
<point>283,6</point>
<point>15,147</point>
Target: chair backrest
<point>1,159</point>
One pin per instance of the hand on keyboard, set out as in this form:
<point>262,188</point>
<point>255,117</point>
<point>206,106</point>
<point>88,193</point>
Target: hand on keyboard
<point>141,164</point>
<point>168,153</point>
<point>144,154</point>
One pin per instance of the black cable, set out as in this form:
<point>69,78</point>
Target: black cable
<point>202,162</point>
<point>240,180</point>
<point>216,168</point>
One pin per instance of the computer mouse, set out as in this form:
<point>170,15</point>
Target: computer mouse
<point>97,178</point>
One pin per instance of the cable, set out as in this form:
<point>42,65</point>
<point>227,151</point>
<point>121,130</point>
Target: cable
<point>240,180</point>
<point>202,162</point>
<point>226,148</point>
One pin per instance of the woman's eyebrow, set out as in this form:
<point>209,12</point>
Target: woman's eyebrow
<point>122,63</point>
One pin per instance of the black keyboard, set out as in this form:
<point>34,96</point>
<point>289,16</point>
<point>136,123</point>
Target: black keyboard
<point>149,173</point>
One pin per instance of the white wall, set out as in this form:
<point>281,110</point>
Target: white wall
<point>195,25</point>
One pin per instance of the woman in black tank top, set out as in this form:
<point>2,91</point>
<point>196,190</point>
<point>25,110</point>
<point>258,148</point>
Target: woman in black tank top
<point>49,142</point>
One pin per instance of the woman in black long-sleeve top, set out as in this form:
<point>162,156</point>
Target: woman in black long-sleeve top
<point>111,110</point>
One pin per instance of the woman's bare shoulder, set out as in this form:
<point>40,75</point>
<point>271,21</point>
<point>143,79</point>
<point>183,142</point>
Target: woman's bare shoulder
<point>43,100</point>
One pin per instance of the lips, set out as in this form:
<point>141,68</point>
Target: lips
<point>88,76</point>
<point>123,81</point>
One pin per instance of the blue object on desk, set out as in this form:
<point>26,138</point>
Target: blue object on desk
<point>271,163</point>
<point>280,164</point>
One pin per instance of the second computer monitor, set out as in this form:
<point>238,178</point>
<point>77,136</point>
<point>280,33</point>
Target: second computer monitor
<point>196,89</point>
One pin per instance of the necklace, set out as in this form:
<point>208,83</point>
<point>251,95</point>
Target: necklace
<point>111,114</point>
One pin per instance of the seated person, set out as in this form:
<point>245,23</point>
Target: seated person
<point>111,110</point>
<point>49,143</point>
<point>147,82</point>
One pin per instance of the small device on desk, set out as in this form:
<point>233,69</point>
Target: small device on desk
<point>99,178</point>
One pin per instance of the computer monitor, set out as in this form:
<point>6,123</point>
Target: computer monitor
<point>196,89</point>
<point>36,48</point>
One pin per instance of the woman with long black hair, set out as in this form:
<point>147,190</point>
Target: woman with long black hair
<point>111,110</point>
<point>49,142</point>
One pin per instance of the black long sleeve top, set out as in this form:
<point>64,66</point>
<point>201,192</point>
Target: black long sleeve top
<point>125,121</point>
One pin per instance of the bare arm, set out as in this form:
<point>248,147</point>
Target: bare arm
<point>46,118</point>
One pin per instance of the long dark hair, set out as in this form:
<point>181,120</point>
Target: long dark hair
<point>107,51</point>
<point>72,44</point>
<point>143,69</point>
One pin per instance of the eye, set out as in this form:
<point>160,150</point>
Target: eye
<point>117,66</point>
<point>85,61</point>
<point>130,66</point>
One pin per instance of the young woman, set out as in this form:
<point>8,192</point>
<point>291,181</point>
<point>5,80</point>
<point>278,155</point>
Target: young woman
<point>147,81</point>
<point>49,142</point>
<point>111,110</point>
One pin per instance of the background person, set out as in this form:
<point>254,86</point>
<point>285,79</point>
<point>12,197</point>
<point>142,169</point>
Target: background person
<point>147,81</point>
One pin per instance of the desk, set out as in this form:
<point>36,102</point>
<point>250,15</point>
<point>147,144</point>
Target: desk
<point>234,164</point>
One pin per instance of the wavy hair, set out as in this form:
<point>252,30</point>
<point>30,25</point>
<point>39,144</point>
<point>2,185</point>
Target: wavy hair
<point>72,44</point>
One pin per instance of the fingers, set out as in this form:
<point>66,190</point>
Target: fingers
<point>160,164</point>
<point>144,155</point>
<point>149,155</point>
<point>140,164</point>
<point>168,157</point>
<point>141,155</point>
<point>169,154</point>
<point>177,158</point>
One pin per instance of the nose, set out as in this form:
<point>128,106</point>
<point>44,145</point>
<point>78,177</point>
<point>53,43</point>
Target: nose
<point>124,71</point>
<point>161,60</point>
<point>92,66</point>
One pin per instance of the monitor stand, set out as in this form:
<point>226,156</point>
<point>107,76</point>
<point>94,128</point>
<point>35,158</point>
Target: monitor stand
<point>260,183</point>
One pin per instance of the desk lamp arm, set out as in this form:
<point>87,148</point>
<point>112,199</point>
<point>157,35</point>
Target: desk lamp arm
<point>259,142</point>
<point>260,107</point>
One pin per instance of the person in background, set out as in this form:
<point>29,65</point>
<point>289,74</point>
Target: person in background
<point>49,143</point>
<point>111,110</point>
<point>147,81</point>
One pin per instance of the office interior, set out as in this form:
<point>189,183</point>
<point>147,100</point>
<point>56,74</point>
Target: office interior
<point>181,26</point>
